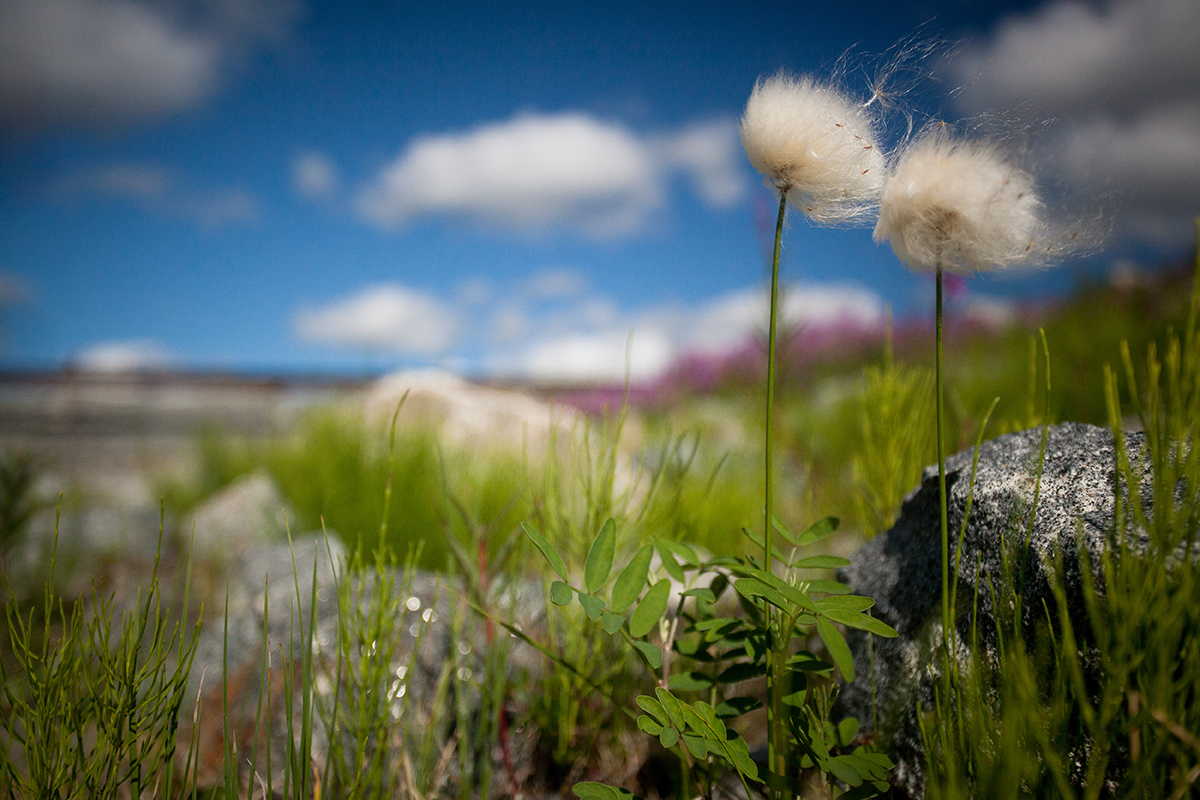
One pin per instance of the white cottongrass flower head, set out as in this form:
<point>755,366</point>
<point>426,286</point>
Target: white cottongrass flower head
<point>816,144</point>
<point>962,206</point>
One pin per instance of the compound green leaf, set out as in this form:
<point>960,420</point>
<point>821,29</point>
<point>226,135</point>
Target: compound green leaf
<point>600,557</point>
<point>847,729</point>
<point>820,562</point>
<point>668,560</point>
<point>752,587</point>
<point>828,587</point>
<point>649,725</point>
<point>652,653</point>
<point>589,790</point>
<point>631,580</point>
<point>654,708</point>
<point>839,651</point>
<point>701,593</point>
<point>689,682</point>
<point>742,671</point>
<point>807,662</point>
<point>843,769</point>
<point>651,609</point>
<point>849,602</point>
<point>740,751</point>
<point>696,745</point>
<point>680,550</point>
<point>593,605</point>
<point>552,556</point>
<point>757,540</point>
<point>818,531</point>
<point>736,706</point>
<point>560,593</point>
<point>671,706</point>
<point>782,529</point>
<point>854,619</point>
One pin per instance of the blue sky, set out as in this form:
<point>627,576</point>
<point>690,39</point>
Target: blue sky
<point>509,189</point>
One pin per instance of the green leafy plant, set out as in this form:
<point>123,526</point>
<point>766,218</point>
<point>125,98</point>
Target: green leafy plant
<point>699,654</point>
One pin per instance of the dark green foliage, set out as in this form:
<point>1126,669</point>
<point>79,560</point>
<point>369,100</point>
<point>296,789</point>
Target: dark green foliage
<point>708,655</point>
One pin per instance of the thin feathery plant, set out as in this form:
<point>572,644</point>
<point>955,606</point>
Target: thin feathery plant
<point>92,712</point>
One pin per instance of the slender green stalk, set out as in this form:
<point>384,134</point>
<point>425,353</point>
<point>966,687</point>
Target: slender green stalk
<point>777,752</point>
<point>942,498</point>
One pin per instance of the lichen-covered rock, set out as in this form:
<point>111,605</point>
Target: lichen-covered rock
<point>902,568</point>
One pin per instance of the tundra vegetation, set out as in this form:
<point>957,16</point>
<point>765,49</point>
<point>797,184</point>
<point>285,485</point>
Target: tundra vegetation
<point>691,639</point>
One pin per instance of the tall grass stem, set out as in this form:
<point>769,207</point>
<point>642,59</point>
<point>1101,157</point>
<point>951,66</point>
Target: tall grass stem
<point>943,500</point>
<point>777,755</point>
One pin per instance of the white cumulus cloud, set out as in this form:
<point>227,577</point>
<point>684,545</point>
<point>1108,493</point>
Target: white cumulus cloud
<point>535,171</point>
<point>555,283</point>
<point>387,317</point>
<point>600,357</point>
<point>730,319</point>
<point>711,155</point>
<point>114,61</point>
<point>135,355</point>
<point>164,192</point>
<point>1069,57</point>
<point>314,175</point>
<point>1122,78</point>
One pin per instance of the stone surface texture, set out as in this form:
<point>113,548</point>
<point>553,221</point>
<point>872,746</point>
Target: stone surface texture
<point>430,643</point>
<point>901,569</point>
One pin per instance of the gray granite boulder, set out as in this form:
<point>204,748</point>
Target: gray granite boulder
<point>901,569</point>
<point>247,512</point>
<point>412,652</point>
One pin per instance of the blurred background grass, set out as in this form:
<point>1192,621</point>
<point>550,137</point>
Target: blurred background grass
<point>855,428</point>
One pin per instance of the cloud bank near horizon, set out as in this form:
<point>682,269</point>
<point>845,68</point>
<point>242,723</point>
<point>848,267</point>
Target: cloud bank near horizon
<point>551,328</point>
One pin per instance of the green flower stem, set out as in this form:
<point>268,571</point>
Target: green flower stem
<point>777,752</point>
<point>942,499</point>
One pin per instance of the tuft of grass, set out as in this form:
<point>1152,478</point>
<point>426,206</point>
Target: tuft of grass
<point>1101,703</point>
<point>92,710</point>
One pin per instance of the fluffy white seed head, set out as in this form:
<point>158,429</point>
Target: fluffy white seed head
<point>961,205</point>
<point>816,144</point>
